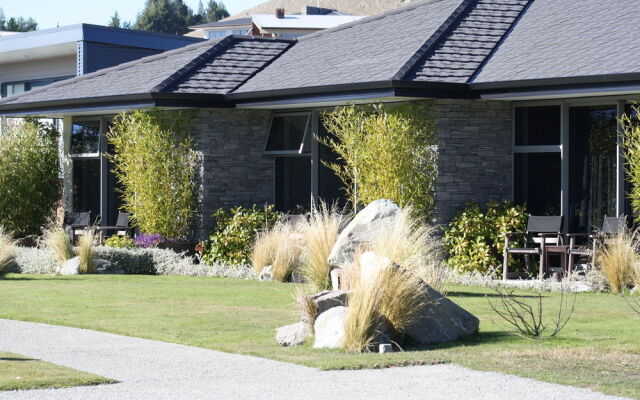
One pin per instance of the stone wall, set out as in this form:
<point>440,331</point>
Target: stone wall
<point>475,160</point>
<point>234,171</point>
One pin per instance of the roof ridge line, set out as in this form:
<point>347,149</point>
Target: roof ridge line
<point>445,28</point>
<point>195,63</point>
<point>499,43</point>
<point>370,18</point>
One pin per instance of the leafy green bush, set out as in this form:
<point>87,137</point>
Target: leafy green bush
<point>234,233</point>
<point>154,162</point>
<point>386,152</point>
<point>29,177</point>
<point>474,239</point>
<point>120,242</point>
<point>631,145</point>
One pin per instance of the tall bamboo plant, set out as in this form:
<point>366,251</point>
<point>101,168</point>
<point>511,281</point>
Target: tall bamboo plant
<point>630,126</point>
<point>156,166</point>
<point>385,152</point>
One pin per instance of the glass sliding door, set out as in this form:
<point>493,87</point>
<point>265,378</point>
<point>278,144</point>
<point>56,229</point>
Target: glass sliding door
<point>538,159</point>
<point>592,166</point>
<point>87,167</point>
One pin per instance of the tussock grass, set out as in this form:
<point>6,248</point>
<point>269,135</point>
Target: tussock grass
<point>320,234</point>
<point>57,239</point>
<point>388,302</point>
<point>7,249</point>
<point>86,252</point>
<point>281,247</point>
<point>414,246</point>
<point>617,258</point>
<point>308,309</point>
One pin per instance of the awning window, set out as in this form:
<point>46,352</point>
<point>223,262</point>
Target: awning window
<point>289,134</point>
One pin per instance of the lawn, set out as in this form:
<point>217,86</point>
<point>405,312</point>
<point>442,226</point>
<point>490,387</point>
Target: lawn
<point>598,349</point>
<point>19,372</point>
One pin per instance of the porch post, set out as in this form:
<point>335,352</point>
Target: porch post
<point>66,165</point>
<point>315,157</point>
<point>620,196</point>
<point>564,175</point>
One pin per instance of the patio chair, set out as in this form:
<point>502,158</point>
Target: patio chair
<point>121,227</point>
<point>610,226</point>
<point>541,231</point>
<point>77,223</point>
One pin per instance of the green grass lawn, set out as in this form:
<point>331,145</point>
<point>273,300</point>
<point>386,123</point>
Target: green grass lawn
<point>598,349</point>
<point>19,372</point>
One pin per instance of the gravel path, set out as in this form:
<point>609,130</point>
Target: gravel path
<point>149,369</point>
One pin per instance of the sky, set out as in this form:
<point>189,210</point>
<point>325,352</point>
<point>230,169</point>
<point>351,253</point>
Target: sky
<point>51,13</point>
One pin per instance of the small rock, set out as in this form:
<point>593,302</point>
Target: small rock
<point>385,348</point>
<point>329,328</point>
<point>266,275</point>
<point>361,230</point>
<point>335,278</point>
<point>329,299</point>
<point>107,267</point>
<point>70,267</point>
<point>293,335</point>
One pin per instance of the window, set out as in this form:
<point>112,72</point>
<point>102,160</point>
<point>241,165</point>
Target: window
<point>225,33</point>
<point>86,186</point>
<point>293,183</point>
<point>538,159</point>
<point>85,137</point>
<point>13,88</point>
<point>289,134</point>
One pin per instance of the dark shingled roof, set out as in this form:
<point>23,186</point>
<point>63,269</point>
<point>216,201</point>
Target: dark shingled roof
<point>207,67</point>
<point>568,38</point>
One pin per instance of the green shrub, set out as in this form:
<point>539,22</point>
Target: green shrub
<point>474,239</point>
<point>29,177</point>
<point>120,242</point>
<point>386,152</point>
<point>154,162</point>
<point>631,145</point>
<point>232,238</point>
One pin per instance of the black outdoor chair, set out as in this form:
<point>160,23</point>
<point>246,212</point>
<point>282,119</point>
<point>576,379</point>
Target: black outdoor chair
<point>77,223</point>
<point>610,226</point>
<point>121,227</point>
<point>542,231</point>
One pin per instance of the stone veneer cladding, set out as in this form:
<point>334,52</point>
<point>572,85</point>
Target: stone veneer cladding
<point>475,159</point>
<point>234,171</point>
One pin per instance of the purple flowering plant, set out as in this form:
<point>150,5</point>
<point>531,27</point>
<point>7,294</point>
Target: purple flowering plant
<point>149,240</point>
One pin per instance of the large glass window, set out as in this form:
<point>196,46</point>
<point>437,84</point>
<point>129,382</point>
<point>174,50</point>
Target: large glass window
<point>592,169</point>
<point>85,137</point>
<point>537,126</point>
<point>538,182</point>
<point>86,186</point>
<point>293,183</point>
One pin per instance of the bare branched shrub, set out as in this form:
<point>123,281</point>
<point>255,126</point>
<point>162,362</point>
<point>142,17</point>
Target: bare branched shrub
<point>7,249</point>
<point>634,302</point>
<point>320,234</point>
<point>414,246</point>
<point>307,307</point>
<point>86,252</point>
<point>528,316</point>
<point>57,240</point>
<point>617,258</point>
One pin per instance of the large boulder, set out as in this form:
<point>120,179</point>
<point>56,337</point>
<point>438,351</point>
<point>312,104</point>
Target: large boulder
<point>328,299</point>
<point>293,335</point>
<point>371,264</point>
<point>361,230</point>
<point>70,267</point>
<point>330,327</point>
<point>441,320</point>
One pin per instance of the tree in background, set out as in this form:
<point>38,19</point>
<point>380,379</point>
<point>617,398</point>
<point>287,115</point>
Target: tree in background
<point>386,152</point>
<point>19,24</point>
<point>215,11</point>
<point>117,22</point>
<point>175,17</point>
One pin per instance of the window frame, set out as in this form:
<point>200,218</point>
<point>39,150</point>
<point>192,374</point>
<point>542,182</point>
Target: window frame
<point>29,82</point>
<point>301,150</point>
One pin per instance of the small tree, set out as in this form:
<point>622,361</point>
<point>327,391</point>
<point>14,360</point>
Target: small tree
<point>631,144</point>
<point>385,152</point>
<point>29,177</point>
<point>154,162</point>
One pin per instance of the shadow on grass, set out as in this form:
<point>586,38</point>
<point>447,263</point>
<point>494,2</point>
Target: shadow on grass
<point>472,294</point>
<point>480,338</point>
<point>16,359</point>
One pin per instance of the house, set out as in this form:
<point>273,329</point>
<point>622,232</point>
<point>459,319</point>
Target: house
<point>352,7</point>
<point>278,24</point>
<point>526,94</point>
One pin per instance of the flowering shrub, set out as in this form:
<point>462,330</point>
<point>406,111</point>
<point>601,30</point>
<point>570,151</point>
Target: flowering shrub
<point>474,238</point>
<point>120,242</point>
<point>234,233</point>
<point>149,240</point>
